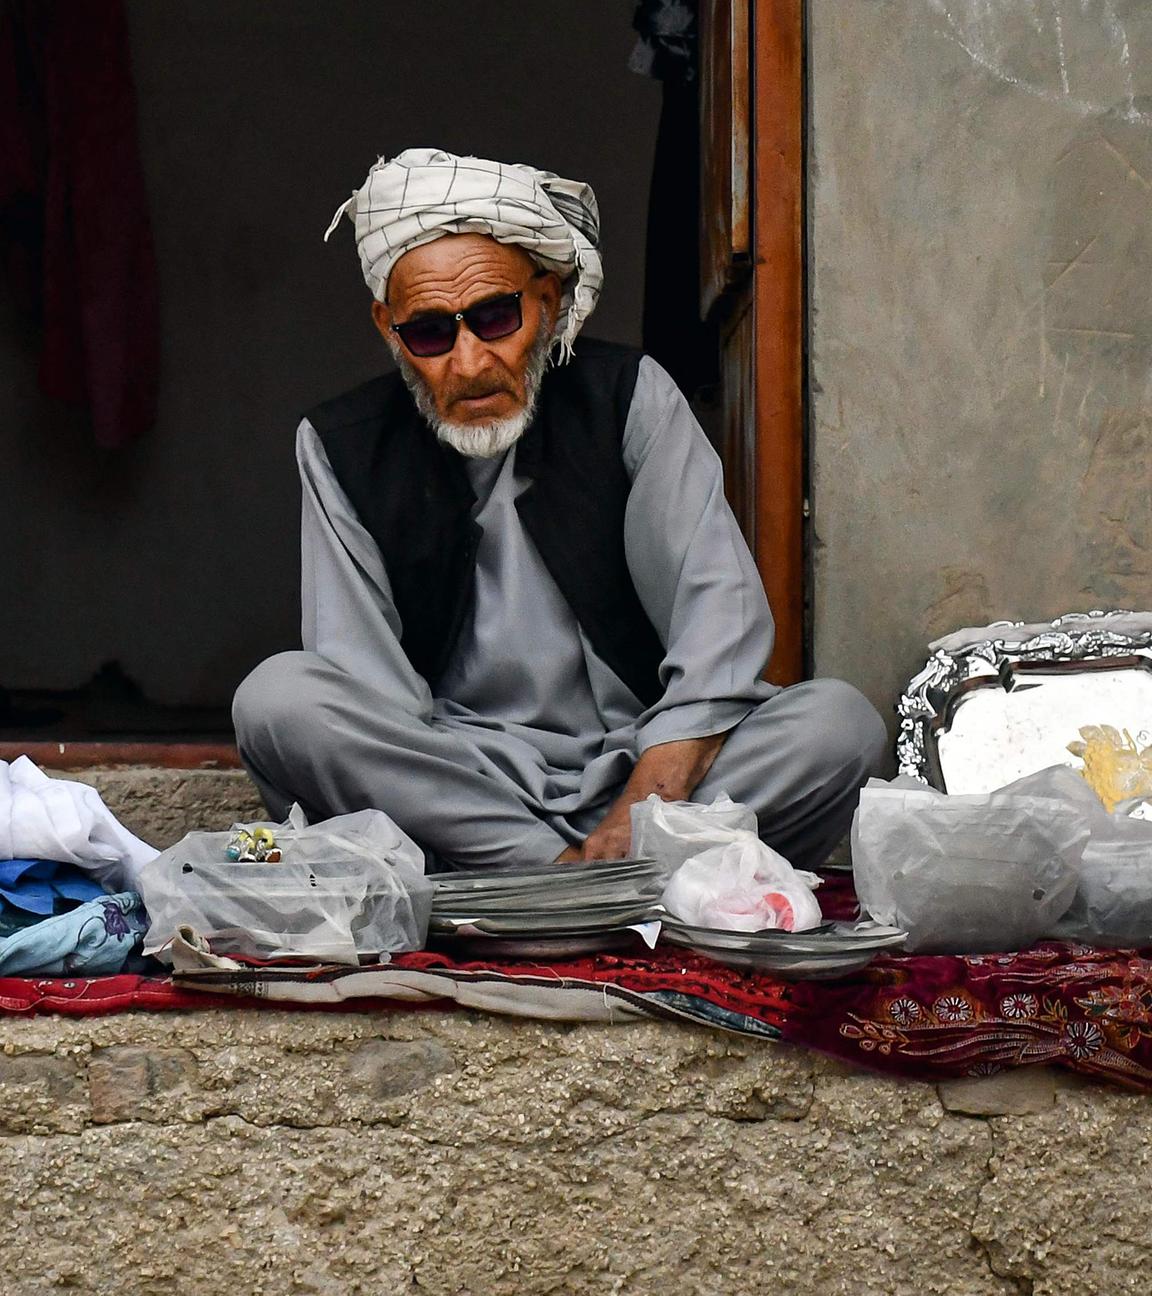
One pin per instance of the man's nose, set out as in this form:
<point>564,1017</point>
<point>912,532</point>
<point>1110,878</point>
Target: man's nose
<point>470,355</point>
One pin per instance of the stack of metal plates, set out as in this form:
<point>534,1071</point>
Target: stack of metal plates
<point>545,911</point>
<point>830,950</point>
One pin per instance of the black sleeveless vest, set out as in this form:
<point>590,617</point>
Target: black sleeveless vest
<point>413,496</point>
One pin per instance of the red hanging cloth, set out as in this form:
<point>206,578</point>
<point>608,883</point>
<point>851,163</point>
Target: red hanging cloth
<point>73,208</point>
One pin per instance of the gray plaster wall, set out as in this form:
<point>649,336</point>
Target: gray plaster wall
<point>179,556</point>
<point>981,255</point>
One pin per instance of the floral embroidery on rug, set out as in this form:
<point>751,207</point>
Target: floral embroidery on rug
<point>1085,1009</point>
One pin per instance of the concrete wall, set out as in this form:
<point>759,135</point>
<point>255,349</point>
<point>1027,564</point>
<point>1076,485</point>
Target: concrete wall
<point>981,194</point>
<point>256,119</point>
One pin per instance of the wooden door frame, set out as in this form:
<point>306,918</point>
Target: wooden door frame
<point>753,261</point>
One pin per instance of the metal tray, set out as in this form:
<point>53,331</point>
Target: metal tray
<point>519,877</point>
<point>582,921</point>
<point>827,940</point>
<point>996,703</point>
<point>797,967</point>
<point>543,948</point>
<point>752,937</point>
<point>549,900</point>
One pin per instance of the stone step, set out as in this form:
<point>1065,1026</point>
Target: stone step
<point>350,1154</point>
<point>161,805</point>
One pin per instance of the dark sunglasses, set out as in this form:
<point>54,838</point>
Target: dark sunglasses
<point>434,335</point>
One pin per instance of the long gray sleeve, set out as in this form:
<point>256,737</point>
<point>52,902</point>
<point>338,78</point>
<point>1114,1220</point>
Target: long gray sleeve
<point>347,612</point>
<point>692,571</point>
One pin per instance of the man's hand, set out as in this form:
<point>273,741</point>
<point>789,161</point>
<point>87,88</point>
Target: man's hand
<point>672,770</point>
<point>612,839</point>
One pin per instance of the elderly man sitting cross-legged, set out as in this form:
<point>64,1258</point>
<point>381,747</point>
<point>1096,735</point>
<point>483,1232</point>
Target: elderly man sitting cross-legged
<point>526,604</point>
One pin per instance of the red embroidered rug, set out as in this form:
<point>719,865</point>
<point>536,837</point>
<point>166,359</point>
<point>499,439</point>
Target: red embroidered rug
<point>926,1016</point>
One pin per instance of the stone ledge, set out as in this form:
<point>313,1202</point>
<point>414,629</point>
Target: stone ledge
<point>1027,1091</point>
<point>161,805</point>
<point>285,1152</point>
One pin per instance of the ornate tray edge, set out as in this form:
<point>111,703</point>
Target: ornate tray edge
<point>1077,636</point>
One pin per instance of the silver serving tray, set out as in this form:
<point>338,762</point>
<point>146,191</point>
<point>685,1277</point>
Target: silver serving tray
<point>994,704</point>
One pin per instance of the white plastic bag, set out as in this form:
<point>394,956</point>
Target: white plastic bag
<point>673,831</point>
<point>969,874</point>
<point>722,874</point>
<point>743,886</point>
<point>348,889</point>
<point>1113,901</point>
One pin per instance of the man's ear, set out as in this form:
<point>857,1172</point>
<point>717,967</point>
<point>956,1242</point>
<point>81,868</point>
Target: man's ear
<point>550,290</point>
<point>382,318</point>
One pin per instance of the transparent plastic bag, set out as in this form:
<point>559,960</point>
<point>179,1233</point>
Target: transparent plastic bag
<point>1116,768</point>
<point>720,873</point>
<point>671,832</point>
<point>346,890</point>
<point>1113,901</point>
<point>970,874</point>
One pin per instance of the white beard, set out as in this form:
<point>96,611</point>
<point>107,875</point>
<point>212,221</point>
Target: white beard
<point>486,441</point>
<point>480,440</point>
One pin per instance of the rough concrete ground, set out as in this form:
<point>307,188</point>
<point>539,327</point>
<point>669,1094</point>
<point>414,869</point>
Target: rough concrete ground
<point>283,1152</point>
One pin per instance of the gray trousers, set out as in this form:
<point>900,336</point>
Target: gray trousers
<point>311,733</point>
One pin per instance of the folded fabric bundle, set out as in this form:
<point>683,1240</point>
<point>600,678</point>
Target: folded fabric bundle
<point>32,890</point>
<point>54,819</point>
<point>61,852</point>
<point>99,938</point>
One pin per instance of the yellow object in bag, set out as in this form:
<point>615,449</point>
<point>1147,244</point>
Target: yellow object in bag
<point>1115,768</point>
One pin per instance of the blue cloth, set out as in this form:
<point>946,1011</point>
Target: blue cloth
<point>35,886</point>
<point>97,939</point>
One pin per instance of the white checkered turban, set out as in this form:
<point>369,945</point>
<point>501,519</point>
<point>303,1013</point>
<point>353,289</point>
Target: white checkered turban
<point>422,194</point>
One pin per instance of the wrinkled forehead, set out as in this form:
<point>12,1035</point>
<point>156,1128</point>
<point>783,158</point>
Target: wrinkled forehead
<point>455,269</point>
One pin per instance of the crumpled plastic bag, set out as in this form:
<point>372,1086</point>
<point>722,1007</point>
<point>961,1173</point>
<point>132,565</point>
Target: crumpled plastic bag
<point>671,832</point>
<point>722,874</point>
<point>57,819</point>
<point>346,890</point>
<point>970,874</point>
<point>1113,901</point>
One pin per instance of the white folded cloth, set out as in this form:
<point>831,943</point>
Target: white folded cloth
<point>54,819</point>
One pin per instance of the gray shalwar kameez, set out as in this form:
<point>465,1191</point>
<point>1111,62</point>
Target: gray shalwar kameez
<point>531,736</point>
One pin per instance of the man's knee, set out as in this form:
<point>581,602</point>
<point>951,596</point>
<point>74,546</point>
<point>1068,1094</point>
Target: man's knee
<point>847,730</point>
<point>276,701</point>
